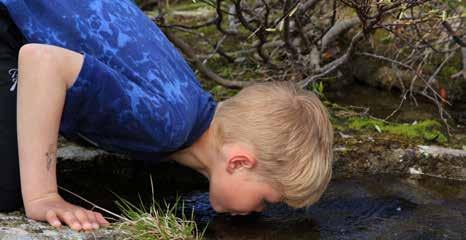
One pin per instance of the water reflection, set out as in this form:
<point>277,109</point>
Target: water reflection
<point>375,207</point>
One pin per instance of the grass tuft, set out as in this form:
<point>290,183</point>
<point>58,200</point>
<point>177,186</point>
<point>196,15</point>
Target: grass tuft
<point>154,223</point>
<point>157,222</point>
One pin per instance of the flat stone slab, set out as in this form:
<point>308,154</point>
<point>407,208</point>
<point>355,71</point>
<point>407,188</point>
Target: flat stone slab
<point>14,226</point>
<point>442,151</point>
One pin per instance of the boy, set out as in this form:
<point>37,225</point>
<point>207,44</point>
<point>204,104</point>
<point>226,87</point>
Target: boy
<point>102,71</point>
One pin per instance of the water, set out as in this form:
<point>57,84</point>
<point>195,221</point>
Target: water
<point>367,207</point>
<point>371,207</point>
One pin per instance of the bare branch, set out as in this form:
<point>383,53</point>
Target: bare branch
<point>336,30</point>
<point>463,52</point>
<point>304,7</point>
<point>456,37</point>
<point>432,78</point>
<point>219,19</point>
<point>286,28</point>
<point>333,65</point>
<point>202,67</point>
<point>386,59</point>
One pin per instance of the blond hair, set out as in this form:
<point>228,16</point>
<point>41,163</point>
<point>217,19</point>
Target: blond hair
<point>290,133</point>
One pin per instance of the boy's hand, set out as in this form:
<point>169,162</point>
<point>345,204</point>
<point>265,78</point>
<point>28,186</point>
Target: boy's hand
<point>55,210</point>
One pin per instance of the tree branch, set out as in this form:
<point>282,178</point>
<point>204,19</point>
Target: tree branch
<point>202,67</point>
<point>333,65</point>
<point>336,30</point>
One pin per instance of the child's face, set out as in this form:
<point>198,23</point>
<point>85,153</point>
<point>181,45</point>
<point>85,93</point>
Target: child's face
<point>240,193</point>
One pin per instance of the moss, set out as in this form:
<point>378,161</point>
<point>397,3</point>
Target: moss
<point>427,129</point>
<point>187,6</point>
<point>383,36</point>
<point>221,93</point>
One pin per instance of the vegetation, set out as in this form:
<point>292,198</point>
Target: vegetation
<point>427,129</point>
<point>239,42</point>
<point>157,222</point>
<point>153,223</point>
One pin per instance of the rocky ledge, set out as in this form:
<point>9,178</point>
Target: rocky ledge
<point>357,155</point>
<point>15,226</point>
<point>354,155</point>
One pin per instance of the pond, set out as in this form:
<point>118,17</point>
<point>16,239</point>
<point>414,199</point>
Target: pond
<point>366,207</point>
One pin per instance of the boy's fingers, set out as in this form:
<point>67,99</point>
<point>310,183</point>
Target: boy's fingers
<point>69,218</point>
<point>82,217</point>
<point>92,219</point>
<point>101,219</point>
<point>52,218</point>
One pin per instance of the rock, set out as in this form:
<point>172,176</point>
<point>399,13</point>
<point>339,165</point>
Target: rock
<point>78,153</point>
<point>441,151</point>
<point>413,170</point>
<point>15,226</point>
<point>68,150</point>
<point>382,154</point>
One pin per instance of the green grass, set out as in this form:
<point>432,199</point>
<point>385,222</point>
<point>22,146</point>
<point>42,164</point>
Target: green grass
<point>157,222</point>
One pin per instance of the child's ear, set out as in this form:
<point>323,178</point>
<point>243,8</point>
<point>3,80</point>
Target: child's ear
<point>240,161</point>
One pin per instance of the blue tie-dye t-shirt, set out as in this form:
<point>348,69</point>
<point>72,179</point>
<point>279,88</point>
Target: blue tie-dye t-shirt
<point>135,93</point>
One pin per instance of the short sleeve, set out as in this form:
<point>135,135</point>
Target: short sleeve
<point>115,113</point>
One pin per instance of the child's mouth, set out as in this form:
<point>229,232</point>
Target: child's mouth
<point>235,214</point>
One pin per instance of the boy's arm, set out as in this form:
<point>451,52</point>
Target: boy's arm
<point>45,74</point>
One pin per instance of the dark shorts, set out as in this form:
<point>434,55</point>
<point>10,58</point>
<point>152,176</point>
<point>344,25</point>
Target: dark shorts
<point>10,42</point>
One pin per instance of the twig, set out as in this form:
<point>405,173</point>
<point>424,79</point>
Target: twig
<point>385,59</point>
<point>434,75</point>
<point>403,98</point>
<point>207,23</point>
<point>217,47</point>
<point>95,205</point>
<point>456,37</point>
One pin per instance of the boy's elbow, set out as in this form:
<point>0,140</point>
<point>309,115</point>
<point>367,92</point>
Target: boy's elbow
<point>51,59</point>
<point>34,53</point>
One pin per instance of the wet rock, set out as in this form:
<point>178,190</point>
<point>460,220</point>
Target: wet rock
<point>76,151</point>
<point>15,226</point>
<point>381,153</point>
<point>441,151</point>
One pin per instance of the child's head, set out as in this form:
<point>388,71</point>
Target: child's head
<point>276,141</point>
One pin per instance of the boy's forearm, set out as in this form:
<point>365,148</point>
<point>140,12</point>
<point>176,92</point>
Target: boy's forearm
<point>42,87</point>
